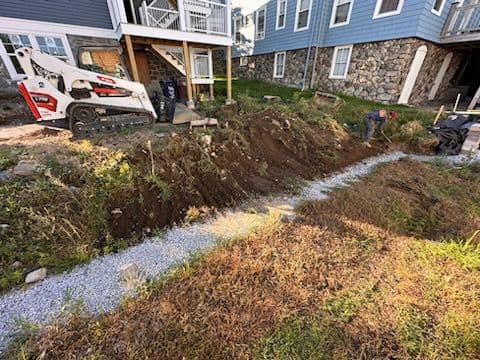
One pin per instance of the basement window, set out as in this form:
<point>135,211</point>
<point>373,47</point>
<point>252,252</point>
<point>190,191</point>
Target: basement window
<point>243,61</point>
<point>340,62</point>
<point>302,16</point>
<point>438,7</point>
<point>260,24</point>
<point>279,64</point>
<point>106,61</point>
<point>342,9</point>
<point>387,8</point>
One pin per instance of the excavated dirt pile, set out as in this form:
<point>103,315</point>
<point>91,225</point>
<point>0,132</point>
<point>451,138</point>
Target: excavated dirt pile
<point>264,153</point>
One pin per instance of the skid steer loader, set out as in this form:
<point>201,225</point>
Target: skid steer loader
<point>89,102</point>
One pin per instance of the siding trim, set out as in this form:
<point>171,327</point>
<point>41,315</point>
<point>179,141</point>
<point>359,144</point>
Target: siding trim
<point>34,26</point>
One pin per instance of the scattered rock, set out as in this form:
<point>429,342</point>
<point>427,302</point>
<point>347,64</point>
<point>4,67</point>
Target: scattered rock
<point>5,176</point>
<point>4,226</point>
<point>130,276</point>
<point>16,265</point>
<point>286,125</point>
<point>276,123</point>
<point>116,212</point>
<point>272,98</point>
<point>207,140</point>
<point>36,275</point>
<point>25,168</point>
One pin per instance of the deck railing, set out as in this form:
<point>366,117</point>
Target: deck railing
<point>462,21</point>
<point>204,16</point>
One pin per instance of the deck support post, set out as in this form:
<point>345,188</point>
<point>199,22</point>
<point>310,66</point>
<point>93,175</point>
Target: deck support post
<point>131,58</point>
<point>229,100</point>
<point>188,75</point>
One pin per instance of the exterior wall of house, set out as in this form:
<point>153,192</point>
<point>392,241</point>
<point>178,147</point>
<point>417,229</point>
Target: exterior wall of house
<point>377,70</point>
<point>430,25</point>
<point>159,69</point>
<point>93,13</point>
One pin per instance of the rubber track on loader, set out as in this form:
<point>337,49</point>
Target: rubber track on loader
<point>107,123</point>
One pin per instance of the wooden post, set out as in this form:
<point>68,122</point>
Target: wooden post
<point>212,93</point>
<point>228,101</point>
<point>131,58</point>
<point>188,75</point>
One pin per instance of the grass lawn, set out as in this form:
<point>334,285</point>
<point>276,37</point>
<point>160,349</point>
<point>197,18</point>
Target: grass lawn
<point>388,268</point>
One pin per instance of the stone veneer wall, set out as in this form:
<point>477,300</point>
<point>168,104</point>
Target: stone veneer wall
<point>261,67</point>
<point>377,70</point>
<point>219,62</point>
<point>159,69</point>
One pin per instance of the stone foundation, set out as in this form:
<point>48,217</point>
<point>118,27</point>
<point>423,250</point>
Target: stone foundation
<point>159,69</point>
<point>377,70</point>
<point>261,67</point>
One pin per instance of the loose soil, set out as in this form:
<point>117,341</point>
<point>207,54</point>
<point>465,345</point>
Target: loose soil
<point>342,282</point>
<point>92,197</point>
<point>255,156</point>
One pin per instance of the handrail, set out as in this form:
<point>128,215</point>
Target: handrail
<point>462,20</point>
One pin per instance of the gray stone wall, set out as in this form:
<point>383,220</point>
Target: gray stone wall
<point>261,67</point>
<point>159,69</point>
<point>219,62</point>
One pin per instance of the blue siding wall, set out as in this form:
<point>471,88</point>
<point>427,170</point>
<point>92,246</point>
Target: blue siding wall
<point>363,28</point>
<point>92,13</point>
<point>430,25</point>
<point>286,38</point>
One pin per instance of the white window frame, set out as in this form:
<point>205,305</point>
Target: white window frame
<point>278,15</point>
<point>297,12</point>
<point>439,11</point>
<point>33,41</point>
<point>334,13</point>
<point>243,61</point>
<point>235,19</point>
<point>195,78</point>
<point>334,57</point>
<point>378,6</point>
<point>275,75</point>
<point>264,8</point>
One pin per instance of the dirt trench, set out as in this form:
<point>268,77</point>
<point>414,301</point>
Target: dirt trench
<point>265,153</point>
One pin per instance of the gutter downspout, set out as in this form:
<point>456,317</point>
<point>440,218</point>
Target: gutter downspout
<point>307,60</point>
<point>321,35</point>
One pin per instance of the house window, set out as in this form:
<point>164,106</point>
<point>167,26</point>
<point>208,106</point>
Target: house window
<point>281,13</point>
<point>387,8</point>
<point>438,7</point>
<point>202,64</point>
<point>302,16</point>
<point>243,61</point>
<point>279,64</point>
<point>260,24</point>
<point>340,62</point>
<point>52,45</point>
<point>12,42</point>
<point>342,9</point>
<point>237,26</point>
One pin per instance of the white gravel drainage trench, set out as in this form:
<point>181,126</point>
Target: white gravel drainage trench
<point>98,285</point>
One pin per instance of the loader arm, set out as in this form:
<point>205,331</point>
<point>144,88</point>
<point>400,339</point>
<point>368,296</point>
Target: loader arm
<point>90,101</point>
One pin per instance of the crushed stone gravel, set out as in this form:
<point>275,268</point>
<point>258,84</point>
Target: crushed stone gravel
<point>98,286</point>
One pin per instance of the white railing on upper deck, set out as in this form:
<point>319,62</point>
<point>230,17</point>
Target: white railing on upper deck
<point>204,16</point>
<point>462,20</point>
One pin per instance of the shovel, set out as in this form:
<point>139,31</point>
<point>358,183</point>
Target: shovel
<point>386,137</point>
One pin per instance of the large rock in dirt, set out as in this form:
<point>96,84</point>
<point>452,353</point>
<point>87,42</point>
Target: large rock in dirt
<point>272,98</point>
<point>36,275</point>
<point>25,168</point>
<point>130,276</point>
